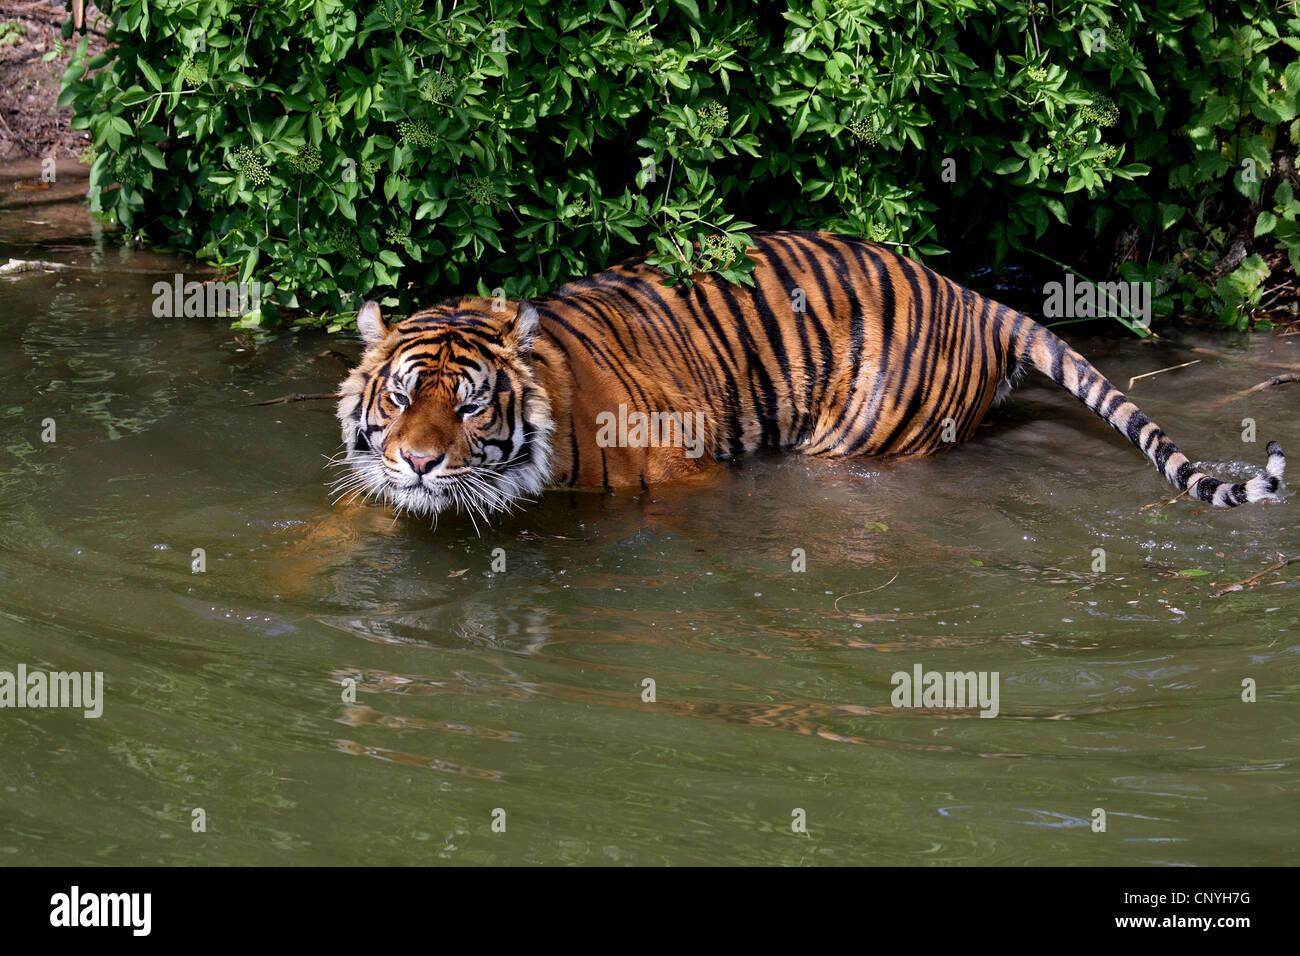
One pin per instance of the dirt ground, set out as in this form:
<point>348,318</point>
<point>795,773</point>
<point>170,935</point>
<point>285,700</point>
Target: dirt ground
<point>30,124</point>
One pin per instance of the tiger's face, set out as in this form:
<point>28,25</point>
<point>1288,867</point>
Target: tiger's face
<point>445,410</point>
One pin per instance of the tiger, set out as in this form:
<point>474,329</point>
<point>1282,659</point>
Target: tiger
<point>839,348</point>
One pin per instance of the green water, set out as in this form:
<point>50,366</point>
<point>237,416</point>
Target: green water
<point>521,690</point>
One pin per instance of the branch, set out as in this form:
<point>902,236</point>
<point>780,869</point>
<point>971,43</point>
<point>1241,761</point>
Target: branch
<point>1283,379</point>
<point>1158,371</point>
<point>293,397</point>
<point>1281,563</point>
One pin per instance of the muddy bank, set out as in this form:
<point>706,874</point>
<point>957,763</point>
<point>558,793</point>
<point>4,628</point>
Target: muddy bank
<point>31,125</point>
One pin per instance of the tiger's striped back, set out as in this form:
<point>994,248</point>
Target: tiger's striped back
<point>840,348</point>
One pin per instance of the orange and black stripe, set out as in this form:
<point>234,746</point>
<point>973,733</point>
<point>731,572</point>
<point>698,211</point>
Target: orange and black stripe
<point>840,348</point>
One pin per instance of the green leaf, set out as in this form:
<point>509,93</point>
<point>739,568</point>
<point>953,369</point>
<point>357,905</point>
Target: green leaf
<point>69,94</point>
<point>133,96</point>
<point>153,155</point>
<point>150,76</point>
<point>691,9</point>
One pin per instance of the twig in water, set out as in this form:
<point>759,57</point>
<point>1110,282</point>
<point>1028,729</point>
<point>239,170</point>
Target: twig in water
<point>1291,367</point>
<point>1164,504</point>
<point>32,265</point>
<point>1158,371</point>
<point>293,397</point>
<point>868,591</point>
<point>1278,566</point>
<point>1284,379</point>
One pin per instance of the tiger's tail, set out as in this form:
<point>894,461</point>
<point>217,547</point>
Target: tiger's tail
<point>1045,351</point>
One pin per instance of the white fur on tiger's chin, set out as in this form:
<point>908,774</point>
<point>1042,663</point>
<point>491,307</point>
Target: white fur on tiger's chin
<point>484,493</point>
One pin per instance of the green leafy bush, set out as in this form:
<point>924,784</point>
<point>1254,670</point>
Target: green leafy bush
<point>408,150</point>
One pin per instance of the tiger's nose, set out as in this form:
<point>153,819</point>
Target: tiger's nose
<point>422,464</point>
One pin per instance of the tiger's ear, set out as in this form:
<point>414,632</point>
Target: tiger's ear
<point>522,329</point>
<point>371,325</point>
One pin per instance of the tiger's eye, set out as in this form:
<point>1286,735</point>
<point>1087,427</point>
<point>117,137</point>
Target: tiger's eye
<point>399,399</point>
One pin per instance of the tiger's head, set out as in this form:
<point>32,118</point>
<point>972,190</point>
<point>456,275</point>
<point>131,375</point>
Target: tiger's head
<point>445,410</point>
